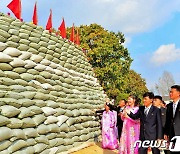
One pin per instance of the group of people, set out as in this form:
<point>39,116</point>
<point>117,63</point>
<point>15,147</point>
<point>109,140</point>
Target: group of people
<point>122,126</point>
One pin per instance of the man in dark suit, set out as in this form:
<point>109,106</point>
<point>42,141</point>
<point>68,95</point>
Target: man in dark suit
<point>120,108</point>
<point>150,122</point>
<point>158,102</point>
<point>172,126</point>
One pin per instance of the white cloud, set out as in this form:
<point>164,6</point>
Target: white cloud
<point>133,16</point>
<point>165,54</point>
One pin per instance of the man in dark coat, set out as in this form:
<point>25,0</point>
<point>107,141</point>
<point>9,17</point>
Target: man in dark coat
<point>158,102</point>
<point>172,126</point>
<point>150,122</point>
<point>120,108</point>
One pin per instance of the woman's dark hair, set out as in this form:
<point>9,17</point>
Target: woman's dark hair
<point>110,106</point>
<point>137,100</point>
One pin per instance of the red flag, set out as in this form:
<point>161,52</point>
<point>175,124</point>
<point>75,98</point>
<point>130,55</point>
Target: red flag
<point>35,17</point>
<point>15,7</point>
<point>72,34</point>
<point>49,23</point>
<point>77,41</point>
<point>62,29</point>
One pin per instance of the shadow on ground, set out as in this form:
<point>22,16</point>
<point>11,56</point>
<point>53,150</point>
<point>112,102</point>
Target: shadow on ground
<point>96,149</point>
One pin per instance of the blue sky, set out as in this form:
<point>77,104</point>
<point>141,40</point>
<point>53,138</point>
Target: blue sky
<point>151,28</point>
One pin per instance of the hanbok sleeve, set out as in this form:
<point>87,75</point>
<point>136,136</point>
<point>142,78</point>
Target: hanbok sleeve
<point>122,117</point>
<point>112,124</point>
<point>104,122</point>
<point>136,109</point>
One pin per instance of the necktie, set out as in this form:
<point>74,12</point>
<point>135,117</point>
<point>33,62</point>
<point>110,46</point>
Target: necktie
<point>146,111</point>
<point>174,109</point>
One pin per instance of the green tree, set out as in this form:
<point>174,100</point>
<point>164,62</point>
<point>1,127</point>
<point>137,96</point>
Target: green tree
<point>111,61</point>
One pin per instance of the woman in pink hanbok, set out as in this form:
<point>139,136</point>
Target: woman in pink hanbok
<point>109,138</point>
<point>131,128</point>
<point>115,126</point>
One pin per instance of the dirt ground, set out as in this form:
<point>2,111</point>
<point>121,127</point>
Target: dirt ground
<point>95,149</point>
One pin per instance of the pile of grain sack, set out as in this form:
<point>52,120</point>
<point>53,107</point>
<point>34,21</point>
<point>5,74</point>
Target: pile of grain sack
<point>47,91</point>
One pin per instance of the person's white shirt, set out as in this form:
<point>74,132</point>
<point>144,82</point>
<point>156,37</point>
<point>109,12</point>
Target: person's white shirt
<point>175,106</point>
<point>122,108</point>
<point>147,109</point>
